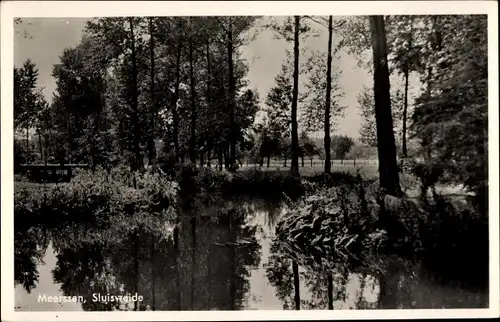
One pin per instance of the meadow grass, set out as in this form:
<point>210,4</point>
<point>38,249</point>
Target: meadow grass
<point>369,171</point>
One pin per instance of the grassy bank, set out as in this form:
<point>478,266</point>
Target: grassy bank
<point>96,198</point>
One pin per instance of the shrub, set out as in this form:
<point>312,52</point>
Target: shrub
<point>204,186</point>
<point>455,232</point>
<point>336,222</point>
<point>98,196</point>
<point>354,222</point>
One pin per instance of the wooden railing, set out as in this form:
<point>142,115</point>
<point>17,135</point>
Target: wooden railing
<point>50,172</point>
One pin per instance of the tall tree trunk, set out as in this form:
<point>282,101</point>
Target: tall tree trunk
<point>175,116</point>
<point>327,139</point>
<point>177,265</point>
<point>193,260</point>
<point>202,159</point>
<point>192,143</point>
<point>405,113</point>
<point>136,263</point>
<point>220,157</point>
<point>27,143</point>
<point>388,297</point>
<point>296,284</point>
<point>40,146</point>
<point>232,265</point>
<point>437,45</point>
<point>153,274</point>
<point>209,155</point>
<point>135,100</point>
<point>388,168</point>
<point>97,157</point>
<point>268,161</point>
<point>232,94</point>
<point>227,161</point>
<point>330,291</point>
<point>209,101</point>
<point>406,73</point>
<point>151,142</point>
<point>294,167</point>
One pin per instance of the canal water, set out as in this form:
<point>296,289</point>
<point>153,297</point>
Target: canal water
<point>223,259</point>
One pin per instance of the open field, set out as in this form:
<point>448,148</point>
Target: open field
<point>369,170</point>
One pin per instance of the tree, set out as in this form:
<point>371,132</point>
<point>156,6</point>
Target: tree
<point>269,142</point>
<point>28,99</point>
<point>122,46</point>
<point>192,86</point>
<point>450,118</point>
<point>294,167</point>
<point>328,96</point>
<point>406,49</point>
<point>357,151</point>
<point>368,130</point>
<point>327,122</point>
<point>278,103</point>
<point>308,147</point>
<point>406,60</point>
<point>285,150</point>
<point>388,168</point>
<point>246,111</point>
<point>291,30</point>
<point>316,102</point>
<point>366,104</point>
<point>152,92</point>
<point>233,29</point>
<point>341,145</point>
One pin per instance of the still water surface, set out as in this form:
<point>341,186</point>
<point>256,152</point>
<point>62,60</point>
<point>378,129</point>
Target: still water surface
<point>225,260</point>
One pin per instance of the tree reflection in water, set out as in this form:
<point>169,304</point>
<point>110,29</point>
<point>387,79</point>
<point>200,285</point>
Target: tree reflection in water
<point>204,264</point>
<point>323,286</point>
<point>384,283</point>
<point>225,248</point>
<point>30,245</point>
<point>209,271</point>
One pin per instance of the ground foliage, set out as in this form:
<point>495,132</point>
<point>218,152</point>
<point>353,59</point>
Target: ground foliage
<point>354,223</point>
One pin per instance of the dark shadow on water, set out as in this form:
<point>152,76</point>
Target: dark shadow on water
<point>30,245</point>
<point>201,265</point>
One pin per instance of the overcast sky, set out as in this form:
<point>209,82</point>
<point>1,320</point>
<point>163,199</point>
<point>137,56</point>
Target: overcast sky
<point>43,39</point>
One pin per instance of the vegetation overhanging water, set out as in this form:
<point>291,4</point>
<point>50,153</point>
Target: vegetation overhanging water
<point>195,241</point>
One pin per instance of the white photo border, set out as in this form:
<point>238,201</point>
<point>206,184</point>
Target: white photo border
<point>76,9</point>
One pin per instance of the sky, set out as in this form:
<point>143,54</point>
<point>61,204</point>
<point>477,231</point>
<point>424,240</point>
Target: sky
<point>43,40</point>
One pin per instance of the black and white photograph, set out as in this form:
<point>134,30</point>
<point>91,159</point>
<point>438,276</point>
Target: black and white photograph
<point>248,162</point>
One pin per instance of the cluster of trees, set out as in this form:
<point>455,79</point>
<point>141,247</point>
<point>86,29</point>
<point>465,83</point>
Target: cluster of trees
<point>447,122</point>
<point>134,82</point>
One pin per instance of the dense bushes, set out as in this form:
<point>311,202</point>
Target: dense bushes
<point>354,223</point>
<point>455,240</point>
<point>337,222</point>
<point>207,185</point>
<point>97,197</point>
